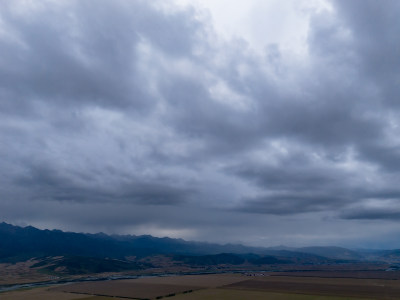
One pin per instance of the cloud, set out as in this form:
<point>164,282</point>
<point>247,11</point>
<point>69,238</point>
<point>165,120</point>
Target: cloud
<point>385,209</point>
<point>122,116</point>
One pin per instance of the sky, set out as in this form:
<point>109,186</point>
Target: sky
<point>257,122</point>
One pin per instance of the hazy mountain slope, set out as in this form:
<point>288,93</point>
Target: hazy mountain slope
<point>18,243</point>
<point>25,242</point>
<point>332,252</point>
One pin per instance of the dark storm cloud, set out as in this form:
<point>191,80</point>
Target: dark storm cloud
<point>85,53</point>
<point>372,214</point>
<point>43,182</point>
<point>127,114</point>
<point>297,183</point>
<point>346,110</point>
<point>374,25</point>
<point>289,204</point>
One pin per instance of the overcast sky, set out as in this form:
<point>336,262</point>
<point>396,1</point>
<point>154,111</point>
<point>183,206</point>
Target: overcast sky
<point>258,122</point>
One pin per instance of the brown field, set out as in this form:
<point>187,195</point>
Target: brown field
<point>362,274</point>
<point>125,288</point>
<point>223,294</point>
<point>42,293</point>
<point>150,287</point>
<point>205,281</point>
<point>367,288</point>
<point>219,287</point>
<point>324,281</point>
<point>101,298</point>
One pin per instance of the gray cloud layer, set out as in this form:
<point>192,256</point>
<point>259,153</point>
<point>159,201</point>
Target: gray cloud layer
<point>136,117</point>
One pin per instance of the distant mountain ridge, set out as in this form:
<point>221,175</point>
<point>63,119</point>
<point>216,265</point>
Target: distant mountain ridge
<point>332,252</point>
<point>18,243</point>
<point>26,242</point>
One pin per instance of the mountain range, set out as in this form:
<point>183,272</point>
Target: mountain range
<point>100,251</point>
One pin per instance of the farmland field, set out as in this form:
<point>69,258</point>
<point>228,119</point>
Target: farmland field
<point>150,287</point>
<point>125,288</point>
<point>345,287</point>
<point>42,293</point>
<point>101,298</point>
<point>205,281</point>
<point>223,294</point>
<point>219,287</point>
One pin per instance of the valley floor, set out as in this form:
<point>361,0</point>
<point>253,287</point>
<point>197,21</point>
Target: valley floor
<point>219,287</point>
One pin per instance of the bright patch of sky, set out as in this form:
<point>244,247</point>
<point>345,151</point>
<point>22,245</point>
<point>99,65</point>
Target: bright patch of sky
<point>262,23</point>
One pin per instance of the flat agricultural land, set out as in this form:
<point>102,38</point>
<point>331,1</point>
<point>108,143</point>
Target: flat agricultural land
<point>125,288</point>
<point>219,287</point>
<point>223,294</point>
<point>42,293</point>
<point>203,281</point>
<point>343,287</point>
<point>101,298</point>
<point>361,274</point>
<point>150,287</point>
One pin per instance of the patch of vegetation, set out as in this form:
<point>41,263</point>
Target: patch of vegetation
<point>210,260</point>
<point>75,265</point>
<point>170,295</point>
<point>269,260</point>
